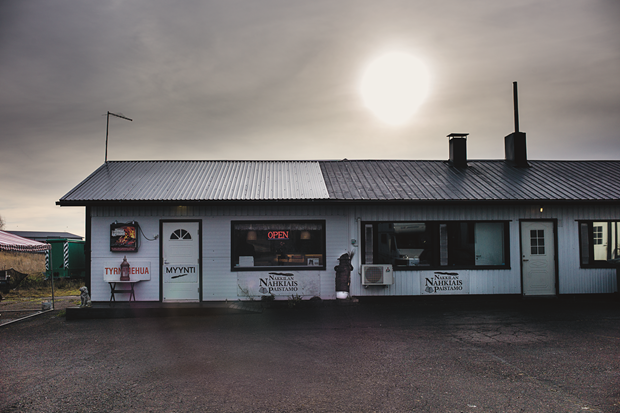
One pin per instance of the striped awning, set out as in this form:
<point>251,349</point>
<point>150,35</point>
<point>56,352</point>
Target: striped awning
<point>11,242</point>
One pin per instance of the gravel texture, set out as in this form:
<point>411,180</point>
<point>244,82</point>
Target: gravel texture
<point>430,356</point>
<point>13,310</point>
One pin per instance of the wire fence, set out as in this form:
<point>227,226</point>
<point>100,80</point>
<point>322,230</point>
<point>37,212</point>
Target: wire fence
<point>12,309</point>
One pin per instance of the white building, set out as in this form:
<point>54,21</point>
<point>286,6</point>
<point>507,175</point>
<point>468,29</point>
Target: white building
<point>228,230</point>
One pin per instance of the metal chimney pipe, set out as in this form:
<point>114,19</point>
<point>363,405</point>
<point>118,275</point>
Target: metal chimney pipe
<point>515,145</point>
<point>458,149</point>
<point>516,105</point>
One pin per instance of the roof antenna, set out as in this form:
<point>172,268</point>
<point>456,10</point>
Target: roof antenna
<point>106,131</point>
<point>516,105</point>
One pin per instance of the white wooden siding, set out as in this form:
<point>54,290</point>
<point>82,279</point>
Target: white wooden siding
<point>100,253</point>
<point>572,278</point>
<point>219,282</point>
<point>342,226</point>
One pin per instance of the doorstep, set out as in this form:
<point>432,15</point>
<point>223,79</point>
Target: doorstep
<point>101,310</point>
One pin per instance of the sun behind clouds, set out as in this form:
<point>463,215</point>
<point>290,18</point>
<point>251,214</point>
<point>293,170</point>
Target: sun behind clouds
<point>393,86</point>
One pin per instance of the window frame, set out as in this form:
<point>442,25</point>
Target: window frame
<point>537,242</point>
<point>306,267</point>
<point>597,236</point>
<point>435,239</point>
<point>589,243</point>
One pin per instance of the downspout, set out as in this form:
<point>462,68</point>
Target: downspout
<point>345,266</point>
<point>358,241</point>
<point>87,249</point>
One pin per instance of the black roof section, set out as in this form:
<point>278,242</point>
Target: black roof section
<point>486,180</point>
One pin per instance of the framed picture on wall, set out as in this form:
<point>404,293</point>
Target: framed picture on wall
<point>124,237</point>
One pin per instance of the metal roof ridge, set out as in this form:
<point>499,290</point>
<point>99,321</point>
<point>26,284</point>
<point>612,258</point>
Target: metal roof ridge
<point>218,160</point>
<point>349,160</point>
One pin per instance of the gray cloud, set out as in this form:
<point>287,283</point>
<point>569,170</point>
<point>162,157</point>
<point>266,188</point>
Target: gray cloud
<point>278,79</point>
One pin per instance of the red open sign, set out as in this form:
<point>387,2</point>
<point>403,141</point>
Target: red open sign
<point>277,235</point>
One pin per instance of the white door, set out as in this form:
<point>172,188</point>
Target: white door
<point>538,256</point>
<point>181,261</point>
<point>600,240</point>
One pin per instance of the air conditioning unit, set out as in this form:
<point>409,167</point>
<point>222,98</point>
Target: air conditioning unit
<point>377,274</point>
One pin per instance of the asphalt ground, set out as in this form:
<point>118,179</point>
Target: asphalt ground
<point>471,355</point>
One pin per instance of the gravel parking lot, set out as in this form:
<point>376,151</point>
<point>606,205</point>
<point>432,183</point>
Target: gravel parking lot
<point>17,309</point>
<point>415,355</point>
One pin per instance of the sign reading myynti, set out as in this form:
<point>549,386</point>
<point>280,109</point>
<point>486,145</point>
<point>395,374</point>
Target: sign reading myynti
<point>445,283</point>
<point>179,274</point>
<point>278,283</point>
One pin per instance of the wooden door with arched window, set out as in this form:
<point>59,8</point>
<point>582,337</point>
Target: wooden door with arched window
<point>180,260</point>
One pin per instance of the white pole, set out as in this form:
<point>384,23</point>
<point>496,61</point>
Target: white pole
<point>52,274</point>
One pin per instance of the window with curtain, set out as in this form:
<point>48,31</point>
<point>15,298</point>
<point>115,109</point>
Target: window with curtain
<point>431,244</point>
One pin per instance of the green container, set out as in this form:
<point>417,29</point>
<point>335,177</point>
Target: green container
<point>66,259</point>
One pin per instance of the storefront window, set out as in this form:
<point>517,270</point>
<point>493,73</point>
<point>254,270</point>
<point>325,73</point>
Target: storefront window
<point>410,245</point>
<point>599,243</point>
<point>278,245</point>
<point>404,244</point>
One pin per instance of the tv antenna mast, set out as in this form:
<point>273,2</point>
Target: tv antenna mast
<point>108,127</point>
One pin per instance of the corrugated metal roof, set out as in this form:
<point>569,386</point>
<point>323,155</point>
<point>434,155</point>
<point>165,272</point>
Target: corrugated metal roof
<point>45,235</point>
<point>481,180</point>
<point>371,180</point>
<point>200,181</point>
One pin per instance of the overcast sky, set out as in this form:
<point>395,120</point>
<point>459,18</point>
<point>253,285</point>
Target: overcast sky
<point>279,79</point>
